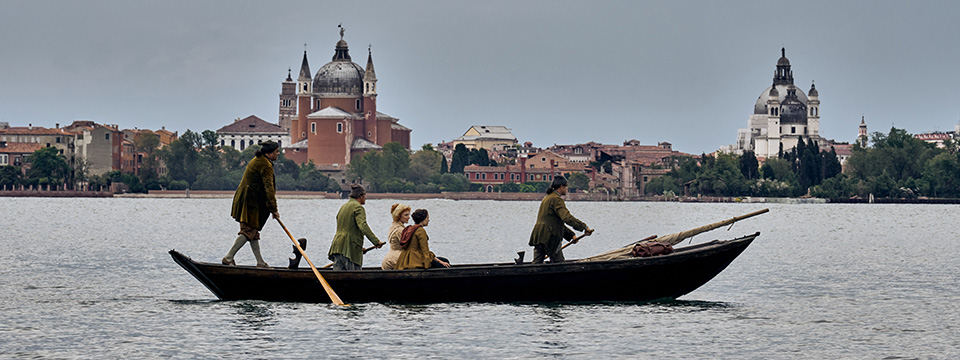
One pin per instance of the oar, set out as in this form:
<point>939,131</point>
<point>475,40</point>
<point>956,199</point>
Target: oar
<point>572,241</point>
<point>364,251</point>
<point>326,286</point>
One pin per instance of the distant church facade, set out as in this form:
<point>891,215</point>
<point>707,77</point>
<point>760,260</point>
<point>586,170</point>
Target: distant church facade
<point>782,115</point>
<point>332,115</point>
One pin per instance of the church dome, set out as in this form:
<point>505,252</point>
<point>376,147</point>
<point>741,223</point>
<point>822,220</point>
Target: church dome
<point>761,106</point>
<point>341,76</point>
<point>793,111</point>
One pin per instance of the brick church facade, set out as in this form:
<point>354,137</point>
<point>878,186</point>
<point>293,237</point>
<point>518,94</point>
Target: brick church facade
<point>332,116</point>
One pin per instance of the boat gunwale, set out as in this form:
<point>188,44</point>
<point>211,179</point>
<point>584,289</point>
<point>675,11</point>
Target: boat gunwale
<point>467,270</point>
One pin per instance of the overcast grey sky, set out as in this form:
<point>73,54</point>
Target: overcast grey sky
<point>686,72</point>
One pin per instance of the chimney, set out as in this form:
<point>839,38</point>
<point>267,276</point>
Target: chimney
<point>58,125</point>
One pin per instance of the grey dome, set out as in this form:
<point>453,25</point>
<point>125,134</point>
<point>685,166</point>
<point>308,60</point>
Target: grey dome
<point>761,105</point>
<point>339,78</point>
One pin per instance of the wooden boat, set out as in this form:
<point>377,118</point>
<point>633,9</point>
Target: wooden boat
<point>632,279</point>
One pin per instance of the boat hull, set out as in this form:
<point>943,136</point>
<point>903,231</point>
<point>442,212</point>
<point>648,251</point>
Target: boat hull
<point>638,279</point>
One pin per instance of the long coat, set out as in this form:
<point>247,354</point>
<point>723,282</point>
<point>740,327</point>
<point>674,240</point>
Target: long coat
<point>351,227</point>
<point>255,198</point>
<point>417,255</point>
<point>549,230</point>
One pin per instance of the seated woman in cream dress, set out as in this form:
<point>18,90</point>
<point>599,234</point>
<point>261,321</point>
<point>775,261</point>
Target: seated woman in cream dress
<point>401,214</point>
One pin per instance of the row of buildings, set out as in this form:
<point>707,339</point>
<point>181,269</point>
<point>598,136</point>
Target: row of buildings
<point>102,147</point>
<point>624,168</point>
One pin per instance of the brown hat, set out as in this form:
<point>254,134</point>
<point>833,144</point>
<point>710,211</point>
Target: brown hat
<point>356,191</point>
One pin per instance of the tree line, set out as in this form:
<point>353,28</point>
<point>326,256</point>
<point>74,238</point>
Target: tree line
<point>894,165</point>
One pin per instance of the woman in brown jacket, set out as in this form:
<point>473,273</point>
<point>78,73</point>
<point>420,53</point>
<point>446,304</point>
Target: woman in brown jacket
<point>254,201</point>
<point>416,253</point>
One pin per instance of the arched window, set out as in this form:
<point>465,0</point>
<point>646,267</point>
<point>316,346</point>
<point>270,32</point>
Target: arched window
<point>313,127</point>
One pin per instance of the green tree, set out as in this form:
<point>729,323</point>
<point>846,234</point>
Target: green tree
<point>47,166</point>
<point>10,176</point>
<point>210,138</point>
<point>147,144</point>
<point>749,166</point>
<point>461,158</point>
<point>424,164</point>
<point>579,181</point>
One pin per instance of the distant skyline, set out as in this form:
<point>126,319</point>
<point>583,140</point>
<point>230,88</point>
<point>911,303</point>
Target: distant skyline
<point>555,72</point>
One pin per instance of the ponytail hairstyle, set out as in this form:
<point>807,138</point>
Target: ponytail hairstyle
<point>558,181</point>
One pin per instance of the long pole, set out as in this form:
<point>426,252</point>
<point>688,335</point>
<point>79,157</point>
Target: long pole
<point>326,286</point>
<point>573,241</point>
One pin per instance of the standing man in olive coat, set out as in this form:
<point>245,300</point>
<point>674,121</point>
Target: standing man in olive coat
<point>254,201</point>
<point>550,229</point>
<point>346,251</point>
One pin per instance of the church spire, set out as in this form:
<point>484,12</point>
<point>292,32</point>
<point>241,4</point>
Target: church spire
<point>370,76</point>
<point>304,68</point>
<point>304,82</point>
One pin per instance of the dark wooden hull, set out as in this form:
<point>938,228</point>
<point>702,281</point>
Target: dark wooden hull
<point>639,279</point>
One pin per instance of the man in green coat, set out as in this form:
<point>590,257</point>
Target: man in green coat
<point>550,229</point>
<point>346,251</point>
<point>254,201</point>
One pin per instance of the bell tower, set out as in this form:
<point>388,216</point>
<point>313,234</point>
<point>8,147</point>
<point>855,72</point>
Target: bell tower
<point>304,101</point>
<point>370,103</point>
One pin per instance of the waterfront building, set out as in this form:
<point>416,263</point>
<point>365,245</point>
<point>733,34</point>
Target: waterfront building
<point>16,153</point>
<point>131,160</point>
<point>100,145</point>
<point>491,138</point>
<point>782,115</point>
<point>45,137</point>
<point>336,112</point>
<point>251,130</point>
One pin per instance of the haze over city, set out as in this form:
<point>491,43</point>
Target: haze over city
<point>688,73</point>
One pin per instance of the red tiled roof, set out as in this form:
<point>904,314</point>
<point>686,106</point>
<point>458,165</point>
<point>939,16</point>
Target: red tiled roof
<point>251,124</point>
<point>20,148</point>
<point>22,130</point>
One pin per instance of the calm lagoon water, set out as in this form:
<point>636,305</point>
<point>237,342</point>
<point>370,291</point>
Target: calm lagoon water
<point>91,278</point>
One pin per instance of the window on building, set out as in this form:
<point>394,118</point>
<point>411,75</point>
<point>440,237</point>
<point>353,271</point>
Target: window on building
<point>3,159</point>
<point>369,134</point>
<point>313,127</point>
<point>233,143</point>
<point>645,179</point>
<point>543,159</point>
<point>242,143</point>
<point>793,129</point>
<point>339,127</point>
<point>358,104</point>
<point>222,142</point>
<point>251,143</point>
<point>58,140</point>
<point>484,176</point>
<point>107,136</point>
